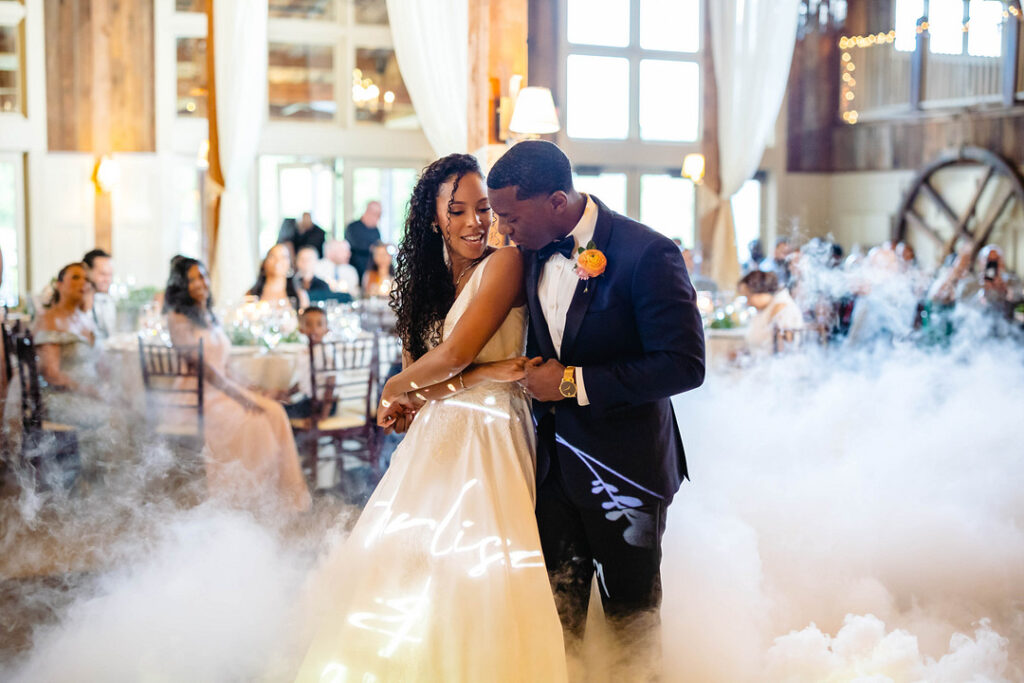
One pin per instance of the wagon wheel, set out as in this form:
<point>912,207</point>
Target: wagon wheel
<point>933,212</point>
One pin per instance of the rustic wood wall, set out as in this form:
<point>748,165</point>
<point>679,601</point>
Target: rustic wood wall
<point>99,75</point>
<point>819,142</point>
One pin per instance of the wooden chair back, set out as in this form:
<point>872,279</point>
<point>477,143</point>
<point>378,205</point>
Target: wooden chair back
<point>174,380</point>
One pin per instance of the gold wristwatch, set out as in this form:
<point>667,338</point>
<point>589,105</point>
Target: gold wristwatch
<point>568,386</point>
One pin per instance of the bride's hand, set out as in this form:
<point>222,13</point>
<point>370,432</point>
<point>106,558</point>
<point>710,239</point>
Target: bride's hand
<point>511,370</point>
<point>393,407</point>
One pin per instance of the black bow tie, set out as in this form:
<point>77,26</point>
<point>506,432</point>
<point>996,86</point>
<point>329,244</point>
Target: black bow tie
<point>563,246</point>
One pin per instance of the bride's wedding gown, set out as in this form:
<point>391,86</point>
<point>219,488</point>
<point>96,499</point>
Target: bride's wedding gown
<point>442,578</point>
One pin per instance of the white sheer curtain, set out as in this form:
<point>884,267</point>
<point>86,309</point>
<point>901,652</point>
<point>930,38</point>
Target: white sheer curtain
<point>752,47</point>
<point>431,45</point>
<point>240,72</point>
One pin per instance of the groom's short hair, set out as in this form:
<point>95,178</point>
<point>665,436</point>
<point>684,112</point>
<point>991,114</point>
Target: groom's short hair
<point>534,168</point>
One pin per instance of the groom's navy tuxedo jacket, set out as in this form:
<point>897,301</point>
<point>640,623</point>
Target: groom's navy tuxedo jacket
<point>636,332</point>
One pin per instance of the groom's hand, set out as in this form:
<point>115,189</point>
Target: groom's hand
<point>543,379</point>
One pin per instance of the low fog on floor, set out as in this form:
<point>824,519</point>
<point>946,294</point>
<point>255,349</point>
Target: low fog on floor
<point>853,517</point>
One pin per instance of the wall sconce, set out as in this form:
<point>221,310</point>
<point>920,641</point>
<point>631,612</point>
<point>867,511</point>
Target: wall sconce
<point>107,174</point>
<point>693,168</point>
<point>534,114</point>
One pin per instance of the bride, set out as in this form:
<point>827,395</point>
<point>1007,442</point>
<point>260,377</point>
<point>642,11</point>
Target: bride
<point>442,578</point>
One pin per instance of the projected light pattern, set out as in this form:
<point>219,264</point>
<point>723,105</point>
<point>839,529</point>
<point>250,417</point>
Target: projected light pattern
<point>452,538</point>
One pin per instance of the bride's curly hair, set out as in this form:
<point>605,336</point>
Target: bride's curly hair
<point>423,290</point>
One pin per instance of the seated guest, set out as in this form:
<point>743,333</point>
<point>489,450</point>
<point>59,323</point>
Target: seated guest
<point>313,325</point>
<point>65,339</point>
<point>776,309</point>
<point>104,308</point>
<point>779,262</point>
<point>885,306</point>
<point>336,270</point>
<point>274,283</point>
<point>380,273</point>
<point>304,233</point>
<point>756,256</point>
<point>305,265</point>
<point>992,286</point>
<point>248,438</point>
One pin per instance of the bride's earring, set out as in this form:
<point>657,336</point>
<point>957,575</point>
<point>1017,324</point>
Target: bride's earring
<point>444,253</point>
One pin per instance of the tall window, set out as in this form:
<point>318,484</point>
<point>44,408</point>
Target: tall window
<point>632,102</point>
<point>334,191</point>
<point>12,218</point>
<point>633,70</point>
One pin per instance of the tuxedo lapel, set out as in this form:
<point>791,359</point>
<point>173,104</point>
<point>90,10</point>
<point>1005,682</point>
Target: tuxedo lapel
<point>537,321</point>
<point>586,288</point>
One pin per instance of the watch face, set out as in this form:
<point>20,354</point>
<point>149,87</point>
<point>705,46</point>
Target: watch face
<point>567,389</point>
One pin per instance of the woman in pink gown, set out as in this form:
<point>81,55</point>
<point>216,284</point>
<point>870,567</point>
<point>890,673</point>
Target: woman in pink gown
<point>250,452</point>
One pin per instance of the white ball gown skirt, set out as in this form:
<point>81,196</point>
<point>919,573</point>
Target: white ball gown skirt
<point>442,578</point>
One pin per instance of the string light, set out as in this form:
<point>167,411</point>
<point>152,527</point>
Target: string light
<point>846,43</point>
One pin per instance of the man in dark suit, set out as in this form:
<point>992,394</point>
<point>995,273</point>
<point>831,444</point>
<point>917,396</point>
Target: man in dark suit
<point>361,234</point>
<point>304,233</point>
<point>607,353</point>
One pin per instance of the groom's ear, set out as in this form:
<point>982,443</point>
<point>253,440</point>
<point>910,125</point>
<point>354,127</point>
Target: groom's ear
<point>558,200</point>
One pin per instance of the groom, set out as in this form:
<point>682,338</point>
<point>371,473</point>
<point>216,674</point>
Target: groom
<point>607,353</point>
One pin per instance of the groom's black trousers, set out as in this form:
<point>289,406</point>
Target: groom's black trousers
<point>579,541</point>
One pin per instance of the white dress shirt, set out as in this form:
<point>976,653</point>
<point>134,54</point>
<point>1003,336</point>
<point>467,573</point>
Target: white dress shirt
<point>341,278</point>
<point>557,286</point>
<point>104,313</point>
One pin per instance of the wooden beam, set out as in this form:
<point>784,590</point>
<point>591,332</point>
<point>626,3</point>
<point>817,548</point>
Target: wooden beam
<point>479,103</point>
<point>99,76</point>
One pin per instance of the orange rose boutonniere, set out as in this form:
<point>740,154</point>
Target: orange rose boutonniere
<point>591,262</point>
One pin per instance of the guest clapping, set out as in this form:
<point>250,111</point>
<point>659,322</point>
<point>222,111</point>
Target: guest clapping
<point>380,273</point>
<point>248,437</point>
<point>275,282</point>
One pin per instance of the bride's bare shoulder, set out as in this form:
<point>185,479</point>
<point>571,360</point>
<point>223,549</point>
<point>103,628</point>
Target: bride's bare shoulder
<point>506,259</point>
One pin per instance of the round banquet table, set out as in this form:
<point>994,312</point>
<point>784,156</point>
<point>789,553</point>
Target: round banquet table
<point>721,344</point>
<point>251,366</point>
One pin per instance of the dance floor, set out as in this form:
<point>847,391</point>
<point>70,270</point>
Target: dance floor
<point>848,517</point>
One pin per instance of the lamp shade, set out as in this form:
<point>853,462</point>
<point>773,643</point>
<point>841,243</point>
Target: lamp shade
<point>534,113</point>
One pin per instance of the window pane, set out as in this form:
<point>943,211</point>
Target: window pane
<point>669,100</point>
<point>599,22</point>
<point>667,204</point>
<point>190,5</point>
<point>371,12</point>
<point>192,77</point>
<point>9,232</point>
<point>746,216</point>
<point>670,25</point>
<point>379,92</point>
<point>985,32</point>
<point>190,224</point>
<point>610,188</point>
<point>10,79</point>
<point>597,94</point>
<point>907,14</point>
<point>946,27</point>
<point>291,186</point>
<point>301,82</point>
<point>302,9</point>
